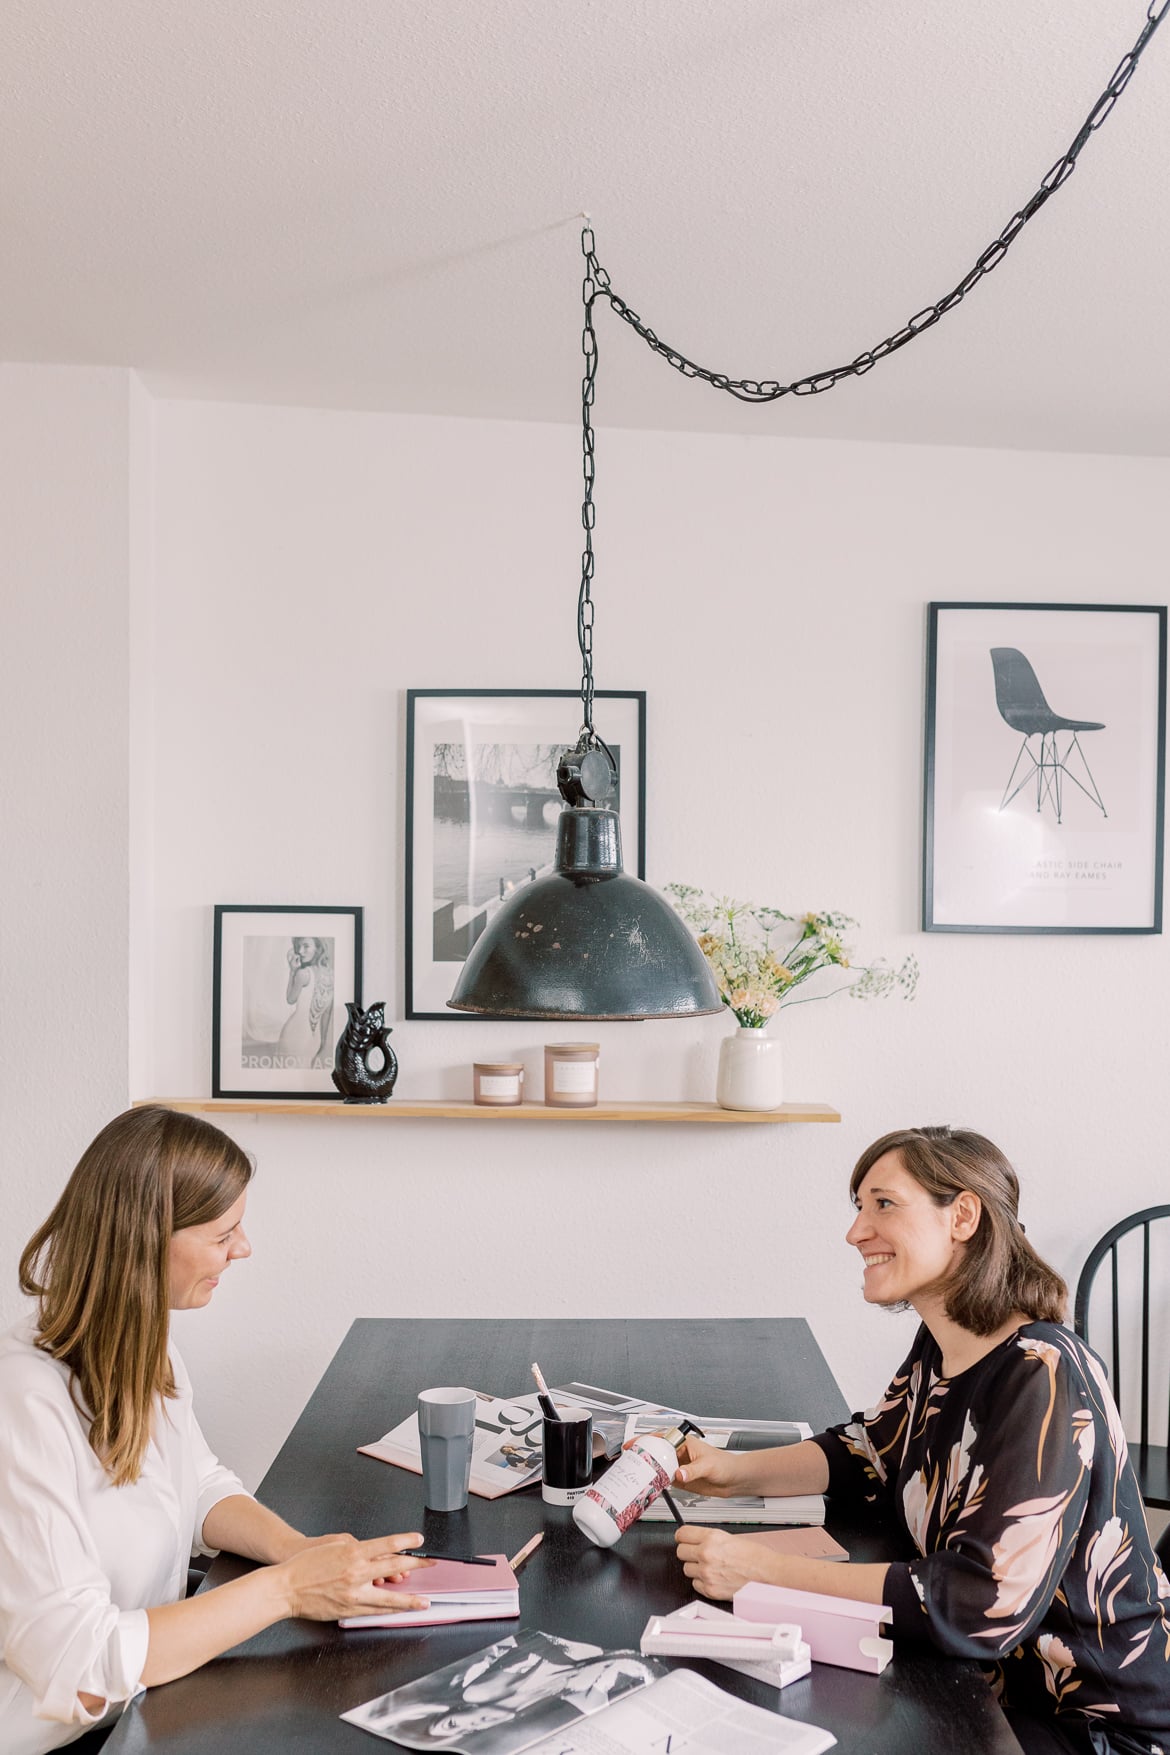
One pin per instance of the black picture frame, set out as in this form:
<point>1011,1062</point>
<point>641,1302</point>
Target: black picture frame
<point>1045,768</point>
<point>270,1036</point>
<point>456,851</point>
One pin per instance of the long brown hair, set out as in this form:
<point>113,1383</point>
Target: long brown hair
<point>998,1272</point>
<point>98,1267</point>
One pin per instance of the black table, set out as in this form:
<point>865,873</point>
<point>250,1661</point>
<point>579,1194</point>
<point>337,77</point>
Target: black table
<point>282,1691</point>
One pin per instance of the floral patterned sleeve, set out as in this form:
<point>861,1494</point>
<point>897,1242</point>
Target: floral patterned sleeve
<point>997,1508</point>
<point>1013,1482</point>
<point>864,1453</point>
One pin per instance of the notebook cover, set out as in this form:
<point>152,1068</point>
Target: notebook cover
<point>457,1592</point>
<point>447,1578</point>
<point>438,1615</point>
<point>811,1544</point>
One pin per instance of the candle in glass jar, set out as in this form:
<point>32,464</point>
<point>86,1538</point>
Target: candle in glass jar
<point>498,1082</point>
<point>570,1074</point>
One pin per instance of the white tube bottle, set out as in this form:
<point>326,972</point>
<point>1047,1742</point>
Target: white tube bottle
<point>636,1479</point>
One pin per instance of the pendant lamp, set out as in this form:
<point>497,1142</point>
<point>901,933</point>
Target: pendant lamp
<point>589,941</point>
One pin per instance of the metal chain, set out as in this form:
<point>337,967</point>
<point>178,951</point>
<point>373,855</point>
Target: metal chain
<point>584,598</point>
<point>752,390</point>
<point>596,285</point>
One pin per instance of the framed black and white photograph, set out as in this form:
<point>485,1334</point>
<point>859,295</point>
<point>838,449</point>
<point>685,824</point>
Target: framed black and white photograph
<point>1045,767</point>
<point>482,807</point>
<point>280,983</point>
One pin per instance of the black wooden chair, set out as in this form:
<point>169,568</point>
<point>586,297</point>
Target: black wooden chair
<point>1021,703</point>
<point>1146,1369</point>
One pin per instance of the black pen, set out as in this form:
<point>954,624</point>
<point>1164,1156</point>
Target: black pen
<point>459,1559</point>
<point>674,1510</point>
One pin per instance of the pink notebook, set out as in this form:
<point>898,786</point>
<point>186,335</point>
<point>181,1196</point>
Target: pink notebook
<point>811,1544</point>
<point>457,1592</point>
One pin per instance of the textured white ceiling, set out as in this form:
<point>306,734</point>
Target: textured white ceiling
<point>371,204</point>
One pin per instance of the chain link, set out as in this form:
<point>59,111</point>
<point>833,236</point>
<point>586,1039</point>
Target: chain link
<point>770,390</point>
<point>596,285</point>
<point>589,291</point>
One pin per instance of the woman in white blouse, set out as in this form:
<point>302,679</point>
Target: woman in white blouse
<point>106,1483</point>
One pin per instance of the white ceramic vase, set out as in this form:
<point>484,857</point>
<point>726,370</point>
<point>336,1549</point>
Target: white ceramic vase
<point>751,1071</point>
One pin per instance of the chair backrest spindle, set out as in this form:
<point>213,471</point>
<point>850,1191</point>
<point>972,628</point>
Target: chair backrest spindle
<point>1127,1317</point>
<point>1114,1284</point>
<point>1145,1401</point>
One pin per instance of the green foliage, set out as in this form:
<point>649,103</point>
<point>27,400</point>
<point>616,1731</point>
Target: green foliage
<point>756,979</point>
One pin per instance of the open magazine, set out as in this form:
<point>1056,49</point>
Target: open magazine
<point>506,1447</point>
<point>739,1434</point>
<point>534,1691</point>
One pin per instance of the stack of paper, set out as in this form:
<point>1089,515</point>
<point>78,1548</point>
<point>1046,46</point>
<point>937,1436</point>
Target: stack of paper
<point>745,1508</point>
<point>457,1592</point>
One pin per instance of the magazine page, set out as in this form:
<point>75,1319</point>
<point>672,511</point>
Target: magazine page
<point>612,1414</point>
<point>505,1453</point>
<point>794,1508</point>
<point>729,1434</point>
<point>508,1697</point>
<point>687,1715</point>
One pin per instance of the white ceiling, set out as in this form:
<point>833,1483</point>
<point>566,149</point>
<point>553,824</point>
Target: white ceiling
<point>372,204</point>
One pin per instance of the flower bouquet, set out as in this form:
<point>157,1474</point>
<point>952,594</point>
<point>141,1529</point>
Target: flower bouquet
<point>761,956</point>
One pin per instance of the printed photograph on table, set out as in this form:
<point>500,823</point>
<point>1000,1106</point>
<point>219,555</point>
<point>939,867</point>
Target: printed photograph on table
<point>481,812</point>
<point>280,984</point>
<point>1045,768</point>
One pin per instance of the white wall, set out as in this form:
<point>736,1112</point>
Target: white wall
<point>211,615</point>
<point>72,491</point>
<point>769,595</point>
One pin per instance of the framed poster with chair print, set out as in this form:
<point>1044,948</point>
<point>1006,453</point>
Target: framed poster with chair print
<point>1045,767</point>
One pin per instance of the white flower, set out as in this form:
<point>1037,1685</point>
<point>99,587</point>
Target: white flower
<point>1109,1543</point>
<point>1023,1556</point>
<point>1086,1436</point>
<point>960,1460</point>
<point>917,1502</point>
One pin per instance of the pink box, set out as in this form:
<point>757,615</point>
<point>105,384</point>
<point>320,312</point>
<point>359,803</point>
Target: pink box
<point>837,1630</point>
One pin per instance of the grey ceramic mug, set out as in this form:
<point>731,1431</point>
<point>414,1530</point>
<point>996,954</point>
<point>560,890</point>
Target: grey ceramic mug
<point>446,1430</point>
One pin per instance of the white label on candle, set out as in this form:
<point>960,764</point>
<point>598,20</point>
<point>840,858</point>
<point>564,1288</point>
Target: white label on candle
<point>574,1075</point>
<point>499,1084</point>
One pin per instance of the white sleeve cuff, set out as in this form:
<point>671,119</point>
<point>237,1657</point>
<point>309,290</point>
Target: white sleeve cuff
<point>113,1673</point>
<point>222,1484</point>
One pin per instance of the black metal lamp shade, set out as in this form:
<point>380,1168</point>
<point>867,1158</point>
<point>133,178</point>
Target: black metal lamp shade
<point>588,941</point>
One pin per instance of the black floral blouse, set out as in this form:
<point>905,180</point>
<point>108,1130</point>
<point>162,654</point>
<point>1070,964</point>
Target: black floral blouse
<point>1013,1481</point>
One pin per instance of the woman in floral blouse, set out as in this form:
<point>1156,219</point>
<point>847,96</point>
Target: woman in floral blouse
<point>997,1448</point>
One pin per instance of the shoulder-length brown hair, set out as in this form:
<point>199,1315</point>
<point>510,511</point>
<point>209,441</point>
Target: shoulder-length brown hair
<point>998,1272</point>
<point>98,1267</point>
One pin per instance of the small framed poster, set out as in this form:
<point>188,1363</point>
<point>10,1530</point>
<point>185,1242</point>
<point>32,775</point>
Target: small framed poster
<point>280,982</point>
<point>1045,767</point>
<point>481,812</point>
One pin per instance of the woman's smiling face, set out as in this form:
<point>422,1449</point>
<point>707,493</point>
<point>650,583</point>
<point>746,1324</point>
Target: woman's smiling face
<point>198,1254</point>
<point>908,1244</point>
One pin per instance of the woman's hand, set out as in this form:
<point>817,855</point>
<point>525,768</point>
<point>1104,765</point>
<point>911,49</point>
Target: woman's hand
<point>334,1576</point>
<point>718,1564</point>
<point>705,1468</point>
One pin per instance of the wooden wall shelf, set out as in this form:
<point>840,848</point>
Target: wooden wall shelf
<point>397,1109</point>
